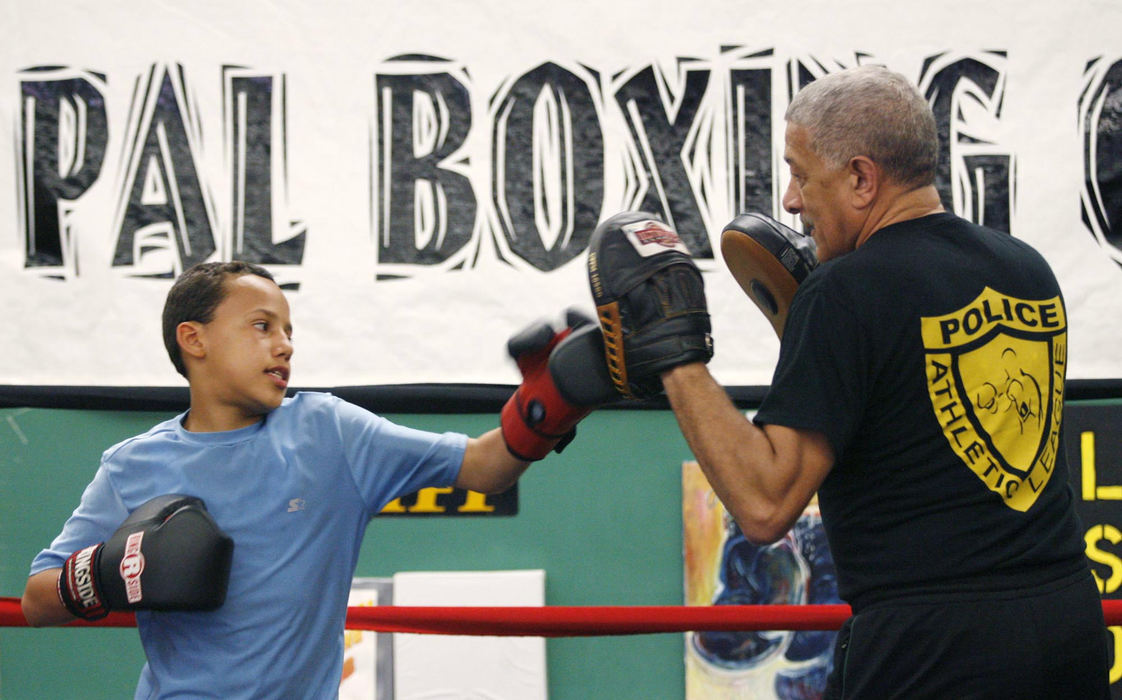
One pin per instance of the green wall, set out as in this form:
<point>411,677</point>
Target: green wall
<point>603,520</point>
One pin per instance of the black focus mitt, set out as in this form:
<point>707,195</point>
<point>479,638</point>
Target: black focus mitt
<point>769,261</point>
<point>650,301</point>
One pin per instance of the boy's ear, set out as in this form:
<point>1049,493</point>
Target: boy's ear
<point>189,336</point>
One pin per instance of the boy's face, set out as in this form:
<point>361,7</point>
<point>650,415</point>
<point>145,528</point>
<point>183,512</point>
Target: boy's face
<point>249,346</point>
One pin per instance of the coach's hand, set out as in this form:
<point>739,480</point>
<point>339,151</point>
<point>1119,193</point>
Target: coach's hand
<point>168,555</point>
<point>650,299</point>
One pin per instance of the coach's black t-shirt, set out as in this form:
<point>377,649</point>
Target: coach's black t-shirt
<point>933,358</point>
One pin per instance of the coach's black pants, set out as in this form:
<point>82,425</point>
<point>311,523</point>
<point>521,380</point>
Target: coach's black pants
<point>1040,644</point>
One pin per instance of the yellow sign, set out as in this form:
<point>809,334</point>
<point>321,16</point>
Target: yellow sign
<point>453,501</point>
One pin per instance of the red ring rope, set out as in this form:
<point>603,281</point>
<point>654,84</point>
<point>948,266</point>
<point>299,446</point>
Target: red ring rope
<point>564,621</point>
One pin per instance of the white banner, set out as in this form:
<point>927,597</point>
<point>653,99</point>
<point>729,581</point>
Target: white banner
<point>423,178</point>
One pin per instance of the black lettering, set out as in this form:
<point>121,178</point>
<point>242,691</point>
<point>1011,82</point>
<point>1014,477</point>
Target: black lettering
<point>1013,485</point>
<point>945,80</point>
<point>972,321</point>
<point>991,180</point>
<point>662,142</point>
<point>1048,316</point>
<point>1100,109</point>
<point>949,327</point>
<point>990,317</point>
<point>426,210</point>
<point>750,153</point>
<point>975,450</point>
<point>256,112</point>
<point>1059,355</point>
<point>62,142</point>
<point>955,432</point>
<point>945,390</point>
<point>949,411</point>
<point>167,223</point>
<point>548,205</point>
<point>1025,314</point>
<point>1047,457</point>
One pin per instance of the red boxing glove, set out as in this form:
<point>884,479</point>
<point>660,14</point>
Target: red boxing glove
<point>537,418</point>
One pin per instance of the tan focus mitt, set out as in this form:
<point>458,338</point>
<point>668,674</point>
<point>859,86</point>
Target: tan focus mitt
<point>769,261</point>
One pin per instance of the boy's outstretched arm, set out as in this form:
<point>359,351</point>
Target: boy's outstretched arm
<point>489,467</point>
<point>564,377</point>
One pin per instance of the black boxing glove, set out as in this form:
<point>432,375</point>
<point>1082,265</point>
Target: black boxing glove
<point>169,554</point>
<point>650,300</point>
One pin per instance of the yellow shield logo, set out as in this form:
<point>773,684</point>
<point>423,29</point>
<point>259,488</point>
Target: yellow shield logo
<point>995,374</point>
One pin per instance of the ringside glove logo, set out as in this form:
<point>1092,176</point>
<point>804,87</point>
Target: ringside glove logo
<point>81,578</point>
<point>651,237</point>
<point>132,566</point>
<point>77,585</point>
<point>995,371</point>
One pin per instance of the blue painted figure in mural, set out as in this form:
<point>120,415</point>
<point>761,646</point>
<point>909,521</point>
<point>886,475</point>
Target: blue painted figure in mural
<point>796,569</point>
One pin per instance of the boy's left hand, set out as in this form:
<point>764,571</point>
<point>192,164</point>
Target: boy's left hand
<point>564,377</point>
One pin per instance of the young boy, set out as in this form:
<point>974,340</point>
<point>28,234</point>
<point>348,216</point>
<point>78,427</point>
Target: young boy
<point>292,481</point>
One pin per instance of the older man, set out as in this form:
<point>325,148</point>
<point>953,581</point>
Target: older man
<point>919,393</point>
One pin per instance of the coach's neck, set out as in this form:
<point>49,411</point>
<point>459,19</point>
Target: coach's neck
<point>895,203</point>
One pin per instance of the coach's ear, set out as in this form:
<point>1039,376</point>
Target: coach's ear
<point>866,178</point>
<point>189,336</point>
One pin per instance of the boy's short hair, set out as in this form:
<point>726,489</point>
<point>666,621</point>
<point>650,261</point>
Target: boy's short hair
<point>195,296</point>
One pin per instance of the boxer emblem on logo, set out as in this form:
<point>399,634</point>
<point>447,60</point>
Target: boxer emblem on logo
<point>995,371</point>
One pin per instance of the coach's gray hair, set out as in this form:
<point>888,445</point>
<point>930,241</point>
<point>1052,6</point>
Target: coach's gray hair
<point>870,111</point>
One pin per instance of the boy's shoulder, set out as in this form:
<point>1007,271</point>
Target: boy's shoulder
<point>157,432</point>
<point>304,403</point>
<point>298,408</point>
<point>310,399</point>
<point>306,410</point>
